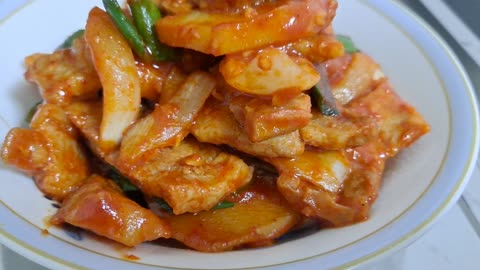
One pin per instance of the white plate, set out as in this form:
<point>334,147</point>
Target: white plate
<point>420,184</point>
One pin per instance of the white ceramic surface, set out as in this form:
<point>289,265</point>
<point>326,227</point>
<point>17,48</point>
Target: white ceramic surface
<point>419,185</point>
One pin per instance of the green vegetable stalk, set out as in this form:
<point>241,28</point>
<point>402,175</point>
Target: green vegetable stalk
<point>162,204</point>
<point>31,112</point>
<point>145,13</point>
<point>69,41</point>
<point>127,29</point>
<point>322,94</point>
<point>224,204</point>
<point>347,44</point>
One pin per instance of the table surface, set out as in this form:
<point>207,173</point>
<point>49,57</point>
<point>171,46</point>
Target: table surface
<point>454,241</point>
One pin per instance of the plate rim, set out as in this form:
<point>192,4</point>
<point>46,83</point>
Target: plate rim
<point>467,171</point>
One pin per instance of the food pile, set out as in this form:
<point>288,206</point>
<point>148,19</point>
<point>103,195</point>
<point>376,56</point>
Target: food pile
<point>221,124</point>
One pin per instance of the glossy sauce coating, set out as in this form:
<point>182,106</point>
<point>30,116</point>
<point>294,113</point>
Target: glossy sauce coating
<point>219,34</point>
<point>260,215</point>
<point>233,122</point>
<point>100,207</point>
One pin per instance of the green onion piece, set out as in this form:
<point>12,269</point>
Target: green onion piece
<point>69,41</point>
<point>324,107</point>
<point>223,205</point>
<point>162,204</point>
<point>123,182</point>
<point>130,190</point>
<point>322,94</point>
<point>125,27</point>
<point>347,44</point>
<point>145,13</point>
<point>31,112</point>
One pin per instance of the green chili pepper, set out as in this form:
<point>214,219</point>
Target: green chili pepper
<point>31,112</point>
<point>322,94</point>
<point>162,204</point>
<point>123,182</point>
<point>130,190</point>
<point>127,29</point>
<point>69,41</point>
<point>347,44</point>
<point>224,204</point>
<point>145,13</point>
